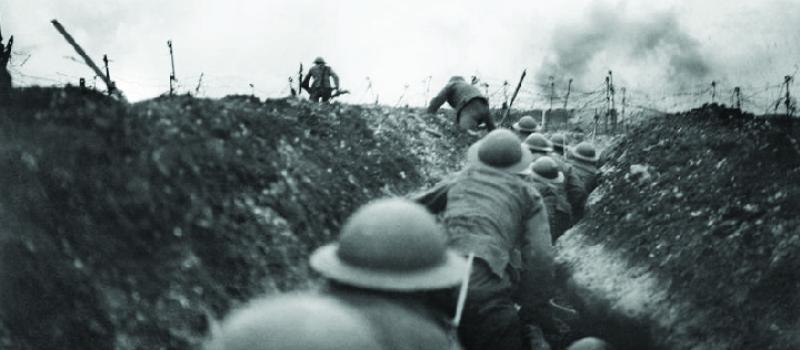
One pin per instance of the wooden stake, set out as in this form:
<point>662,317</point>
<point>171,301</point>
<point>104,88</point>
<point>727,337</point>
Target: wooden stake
<point>86,58</point>
<point>172,78</point>
<point>514,96</point>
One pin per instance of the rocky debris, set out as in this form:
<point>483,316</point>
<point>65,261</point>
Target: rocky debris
<point>131,226</point>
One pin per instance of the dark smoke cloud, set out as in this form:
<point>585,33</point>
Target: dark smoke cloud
<point>656,38</point>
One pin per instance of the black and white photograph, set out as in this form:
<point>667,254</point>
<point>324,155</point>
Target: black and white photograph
<point>399,175</point>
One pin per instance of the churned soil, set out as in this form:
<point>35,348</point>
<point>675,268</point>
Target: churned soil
<point>135,226</point>
<point>709,201</point>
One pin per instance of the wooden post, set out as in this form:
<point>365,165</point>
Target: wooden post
<point>172,75</point>
<point>713,92</point>
<point>199,85</point>
<point>788,102</point>
<point>514,96</point>
<point>89,62</point>
<point>737,96</point>
<point>108,74</point>
<point>569,89</point>
<point>552,91</point>
<point>300,80</point>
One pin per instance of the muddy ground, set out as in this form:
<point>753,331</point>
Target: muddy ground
<point>699,211</point>
<point>131,226</point>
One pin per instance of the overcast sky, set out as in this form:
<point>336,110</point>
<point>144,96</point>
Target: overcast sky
<point>674,46</point>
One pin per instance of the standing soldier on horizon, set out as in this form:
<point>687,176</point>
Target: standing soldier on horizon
<point>321,88</point>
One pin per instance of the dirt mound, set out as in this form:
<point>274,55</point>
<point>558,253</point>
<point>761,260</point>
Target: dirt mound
<point>707,202</point>
<point>130,226</point>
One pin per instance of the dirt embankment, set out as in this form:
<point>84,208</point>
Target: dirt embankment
<point>694,234</point>
<point>128,226</point>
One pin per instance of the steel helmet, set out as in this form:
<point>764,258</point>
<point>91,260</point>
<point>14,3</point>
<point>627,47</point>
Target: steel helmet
<point>500,149</point>
<point>319,60</point>
<point>546,169</point>
<point>589,343</point>
<point>295,322</point>
<point>526,124</point>
<point>584,151</point>
<point>394,245</point>
<point>536,142</point>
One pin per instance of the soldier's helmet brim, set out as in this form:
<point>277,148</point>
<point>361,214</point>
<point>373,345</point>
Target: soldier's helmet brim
<point>448,273</point>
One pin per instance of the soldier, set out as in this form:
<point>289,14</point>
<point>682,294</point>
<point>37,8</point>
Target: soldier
<point>321,88</point>
<point>295,322</point>
<point>590,343</point>
<point>490,210</point>
<point>583,159</point>
<point>539,145</point>
<point>392,264</point>
<point>525,126</point>
<point>472,108</point>
<point>573,185</point>
<point>549,181</point>
<point>559,141</point>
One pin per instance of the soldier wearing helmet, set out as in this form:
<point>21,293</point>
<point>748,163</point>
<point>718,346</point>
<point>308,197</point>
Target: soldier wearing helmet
<point>392,264</point>
<point>549,181</point>
<point>321,88</point>
<point>491,210</point>
<point>583,159</point>
<point>295,322</point>
<point>539,145</point>
<point>472,108</point>
<point>525,126</point>
<point>573,185</point>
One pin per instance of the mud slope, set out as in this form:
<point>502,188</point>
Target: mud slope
<point>694,235</point>
<point>128,226</point>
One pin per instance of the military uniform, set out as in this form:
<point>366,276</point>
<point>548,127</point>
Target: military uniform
<point>491,211</point>
<point>549,181</point>
<point>472,108</point>
<point>320,88</point>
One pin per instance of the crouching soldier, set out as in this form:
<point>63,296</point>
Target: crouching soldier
<point>471,107</point>
<point>392,264</point>
<point>490,210</point>
<point>549,181</point>
<point>320,88</point>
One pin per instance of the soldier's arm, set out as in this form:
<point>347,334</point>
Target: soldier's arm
<point>335,78</point>
<point>307,78</point>
<point>439,99</point>
<point>435,198</point>
<point>576,196</point>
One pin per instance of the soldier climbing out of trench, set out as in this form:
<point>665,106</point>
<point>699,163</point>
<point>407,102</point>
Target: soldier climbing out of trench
<point>321,88</point>
<point>490,209</point>
<point>392,264</point>
<point>471,107</point>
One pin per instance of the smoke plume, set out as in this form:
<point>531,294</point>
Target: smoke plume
<point>657,39</point>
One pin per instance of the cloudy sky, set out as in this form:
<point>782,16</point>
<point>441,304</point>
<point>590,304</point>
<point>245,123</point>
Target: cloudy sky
<point>674,48</point>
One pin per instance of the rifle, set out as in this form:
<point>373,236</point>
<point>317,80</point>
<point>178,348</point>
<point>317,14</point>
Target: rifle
<point>300,81</point>
<point>339,93</point>
<point>514,96</point>
<point>462,299</point>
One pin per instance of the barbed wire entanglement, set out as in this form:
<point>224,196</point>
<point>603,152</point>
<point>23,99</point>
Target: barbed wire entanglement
<point>772,98</point>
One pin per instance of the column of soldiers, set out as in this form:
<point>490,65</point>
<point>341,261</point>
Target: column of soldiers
<point>399,279</point>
